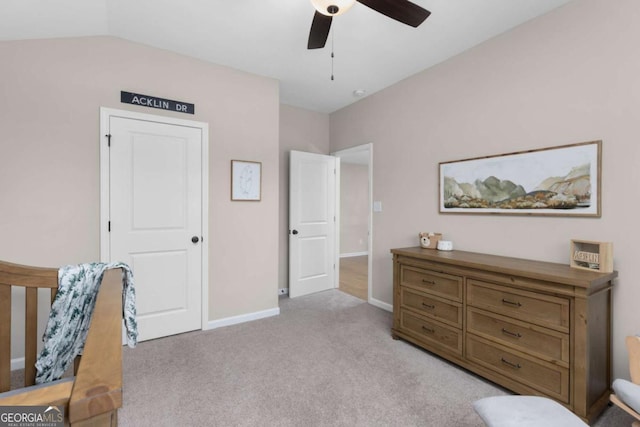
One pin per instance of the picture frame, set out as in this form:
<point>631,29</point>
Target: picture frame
<point>591,255</point>
<point>246,180</point>
<point>555,181</point>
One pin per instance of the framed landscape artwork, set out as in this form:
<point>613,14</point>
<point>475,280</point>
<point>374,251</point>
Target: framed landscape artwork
<point>560,181</point>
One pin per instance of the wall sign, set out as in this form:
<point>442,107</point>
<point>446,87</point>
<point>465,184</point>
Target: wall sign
<point>155,102</point>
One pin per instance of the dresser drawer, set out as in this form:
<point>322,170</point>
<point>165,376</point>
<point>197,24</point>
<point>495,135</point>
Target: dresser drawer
<point>545,343</point>
<point>431,306</point>
<point>540,309</point>
<point>432,332</point>
<point>545,377</point>
<point>436,283</point>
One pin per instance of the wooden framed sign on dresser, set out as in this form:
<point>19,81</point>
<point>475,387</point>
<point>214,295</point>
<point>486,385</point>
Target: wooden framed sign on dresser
<point>536,328</point>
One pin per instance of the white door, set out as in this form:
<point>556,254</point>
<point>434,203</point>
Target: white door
<point>155,173</point>
<point>312,223</point>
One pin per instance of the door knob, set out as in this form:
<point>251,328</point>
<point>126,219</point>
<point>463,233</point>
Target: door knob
<point>294,232</point>
<point>195,239</point>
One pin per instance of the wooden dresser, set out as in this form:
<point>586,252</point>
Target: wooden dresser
<point>535,328</point>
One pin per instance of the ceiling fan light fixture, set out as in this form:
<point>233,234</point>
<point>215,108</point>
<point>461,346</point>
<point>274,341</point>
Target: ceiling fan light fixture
<point>332,7</point>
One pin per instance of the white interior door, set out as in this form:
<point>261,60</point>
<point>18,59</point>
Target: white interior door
<point>312,223</point>
<point>155,173</point>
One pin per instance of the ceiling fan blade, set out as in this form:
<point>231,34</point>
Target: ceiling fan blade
<point>400,10</point>
<point>319,31</point>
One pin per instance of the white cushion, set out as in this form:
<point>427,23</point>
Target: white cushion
<point>628,392</point>
<point>525,411</point>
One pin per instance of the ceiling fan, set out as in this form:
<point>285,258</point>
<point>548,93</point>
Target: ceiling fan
<point>401,10</point>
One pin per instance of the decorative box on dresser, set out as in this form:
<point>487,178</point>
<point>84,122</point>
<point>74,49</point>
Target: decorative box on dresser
<point>536,328</point>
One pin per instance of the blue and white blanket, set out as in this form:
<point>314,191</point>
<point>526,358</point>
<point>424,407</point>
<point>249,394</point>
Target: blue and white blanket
<point>71,312</point>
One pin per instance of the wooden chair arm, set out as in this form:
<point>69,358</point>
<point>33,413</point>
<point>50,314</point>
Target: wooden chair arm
<point>53,394</point>
<point>624,407</point>
<point>633,348</point>
<point>97,390</point>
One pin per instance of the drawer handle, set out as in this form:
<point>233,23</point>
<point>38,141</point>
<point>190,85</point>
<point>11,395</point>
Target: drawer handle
<point>431,282</point>
<point>511,364</point>
<point>513,334</point>
<point>431,331</point>
<point>429,306</point>
<point>513,303</point>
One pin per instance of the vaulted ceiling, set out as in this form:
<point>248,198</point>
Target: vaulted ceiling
<point>269,37</point>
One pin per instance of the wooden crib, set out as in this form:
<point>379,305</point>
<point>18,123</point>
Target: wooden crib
<point>91,397</point>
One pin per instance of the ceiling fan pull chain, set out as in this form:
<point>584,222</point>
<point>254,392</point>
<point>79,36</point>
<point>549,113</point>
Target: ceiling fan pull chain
<point>332,33</point>
<point>331,65</point>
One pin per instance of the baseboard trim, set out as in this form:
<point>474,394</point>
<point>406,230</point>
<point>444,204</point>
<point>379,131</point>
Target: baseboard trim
<point>234,320</point>
<point>352,254</point>
<point>17,363</point>
<point>380,304</point>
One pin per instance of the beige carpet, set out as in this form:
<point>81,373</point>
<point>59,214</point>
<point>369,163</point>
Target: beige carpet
<point>327,360</point>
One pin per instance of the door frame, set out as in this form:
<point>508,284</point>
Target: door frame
<point>357,149</point>
<point>105,115</point>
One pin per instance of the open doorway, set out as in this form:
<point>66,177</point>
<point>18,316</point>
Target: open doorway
<point>355,220</point>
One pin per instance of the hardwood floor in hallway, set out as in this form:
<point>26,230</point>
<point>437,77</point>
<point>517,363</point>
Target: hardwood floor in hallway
<point>353,276</point>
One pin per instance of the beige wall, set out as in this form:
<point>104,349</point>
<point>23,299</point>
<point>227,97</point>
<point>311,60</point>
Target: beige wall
<point>567,77</point>
<point>300,130</point>
<point>354,208</point>
<point>51,92</point>
<point>570,76</point>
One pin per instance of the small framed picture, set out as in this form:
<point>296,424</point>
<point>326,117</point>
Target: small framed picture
<point>246,180</point>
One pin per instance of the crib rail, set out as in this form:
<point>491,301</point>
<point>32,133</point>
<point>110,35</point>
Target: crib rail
<point>93,396</point>
<point>31,279</point>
